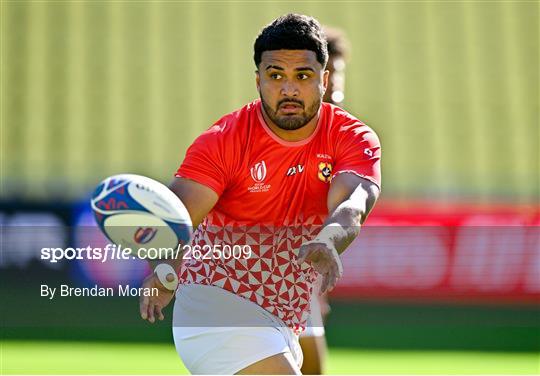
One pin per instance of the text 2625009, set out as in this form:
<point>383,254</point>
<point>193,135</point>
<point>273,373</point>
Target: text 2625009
<point>216,252</point>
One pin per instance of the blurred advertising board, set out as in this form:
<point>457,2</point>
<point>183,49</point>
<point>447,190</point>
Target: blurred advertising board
<point>428,251</point>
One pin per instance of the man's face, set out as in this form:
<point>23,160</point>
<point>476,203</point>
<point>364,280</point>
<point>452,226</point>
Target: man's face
<point>291,84</point>
<point>336,81</point>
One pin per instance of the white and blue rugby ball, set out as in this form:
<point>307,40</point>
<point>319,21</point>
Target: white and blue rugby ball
<point>138,212</point>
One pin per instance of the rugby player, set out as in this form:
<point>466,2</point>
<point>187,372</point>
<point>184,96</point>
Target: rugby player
<point>312,339</point>
<point>289,175</point>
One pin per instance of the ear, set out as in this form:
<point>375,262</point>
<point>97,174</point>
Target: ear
<point>325,77</point>
<point>258,80</point>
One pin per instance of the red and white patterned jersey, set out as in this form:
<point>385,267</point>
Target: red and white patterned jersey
<point>272,197</point>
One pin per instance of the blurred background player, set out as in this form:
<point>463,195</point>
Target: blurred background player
<point>312,340</point>
<point>338,52</point>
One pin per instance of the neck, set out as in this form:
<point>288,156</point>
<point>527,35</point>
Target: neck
<point>292,135</point>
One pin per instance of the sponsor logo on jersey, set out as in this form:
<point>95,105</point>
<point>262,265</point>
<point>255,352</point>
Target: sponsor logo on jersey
<point>323,156</point>
<point>258,172</point>
<point>298,169</point>
<point>325,171</point>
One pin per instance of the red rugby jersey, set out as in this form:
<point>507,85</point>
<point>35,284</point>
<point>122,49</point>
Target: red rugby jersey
<point>272,197</point>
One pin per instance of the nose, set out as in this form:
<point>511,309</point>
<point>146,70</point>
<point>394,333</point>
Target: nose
<point>289,89</point>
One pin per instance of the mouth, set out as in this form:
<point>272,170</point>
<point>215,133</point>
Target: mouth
<point>290,107</point>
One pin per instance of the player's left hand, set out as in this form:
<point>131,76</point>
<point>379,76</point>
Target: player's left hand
<point>324,259</point>
<point>150,306</point>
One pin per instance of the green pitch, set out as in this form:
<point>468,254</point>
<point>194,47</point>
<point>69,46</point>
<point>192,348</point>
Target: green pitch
<point>30,357</point>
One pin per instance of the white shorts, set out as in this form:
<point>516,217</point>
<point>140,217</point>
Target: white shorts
<point>217,332</point>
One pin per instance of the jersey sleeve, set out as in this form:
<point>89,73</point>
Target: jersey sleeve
<point>358,151</point>
<point>206,160</point>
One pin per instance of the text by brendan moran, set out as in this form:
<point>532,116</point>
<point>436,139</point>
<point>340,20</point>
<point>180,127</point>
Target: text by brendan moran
<point>121,290</point>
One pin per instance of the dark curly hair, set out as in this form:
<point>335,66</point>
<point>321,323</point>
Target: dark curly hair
<point>292,32</point>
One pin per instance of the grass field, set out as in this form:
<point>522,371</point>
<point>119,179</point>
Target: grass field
<point>31,357</point>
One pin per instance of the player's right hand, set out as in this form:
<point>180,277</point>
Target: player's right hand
<point>150,306</point>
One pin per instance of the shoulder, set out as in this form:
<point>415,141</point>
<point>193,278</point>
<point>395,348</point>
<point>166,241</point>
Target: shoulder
<point>224,142</point>
<point>231,126</point>
<point>343,125</point>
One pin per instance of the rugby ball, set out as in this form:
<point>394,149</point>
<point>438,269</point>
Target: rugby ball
<point>138,212</point>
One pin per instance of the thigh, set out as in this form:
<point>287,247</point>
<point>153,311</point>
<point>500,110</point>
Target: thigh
<point>279,364</point>
<point>314,350</point>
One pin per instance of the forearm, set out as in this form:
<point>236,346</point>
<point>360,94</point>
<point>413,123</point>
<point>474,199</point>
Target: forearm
<point>350,200</point>
<point>343,225</point>
<point>198,200</point>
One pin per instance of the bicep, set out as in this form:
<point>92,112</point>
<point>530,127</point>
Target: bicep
<point>197,198</point>
<point>359,191</point>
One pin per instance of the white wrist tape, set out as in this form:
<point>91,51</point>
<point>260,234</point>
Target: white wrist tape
<point>162,271</point>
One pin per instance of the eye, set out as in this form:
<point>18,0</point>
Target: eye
<point>275,76</point>
<point>302,76</point>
